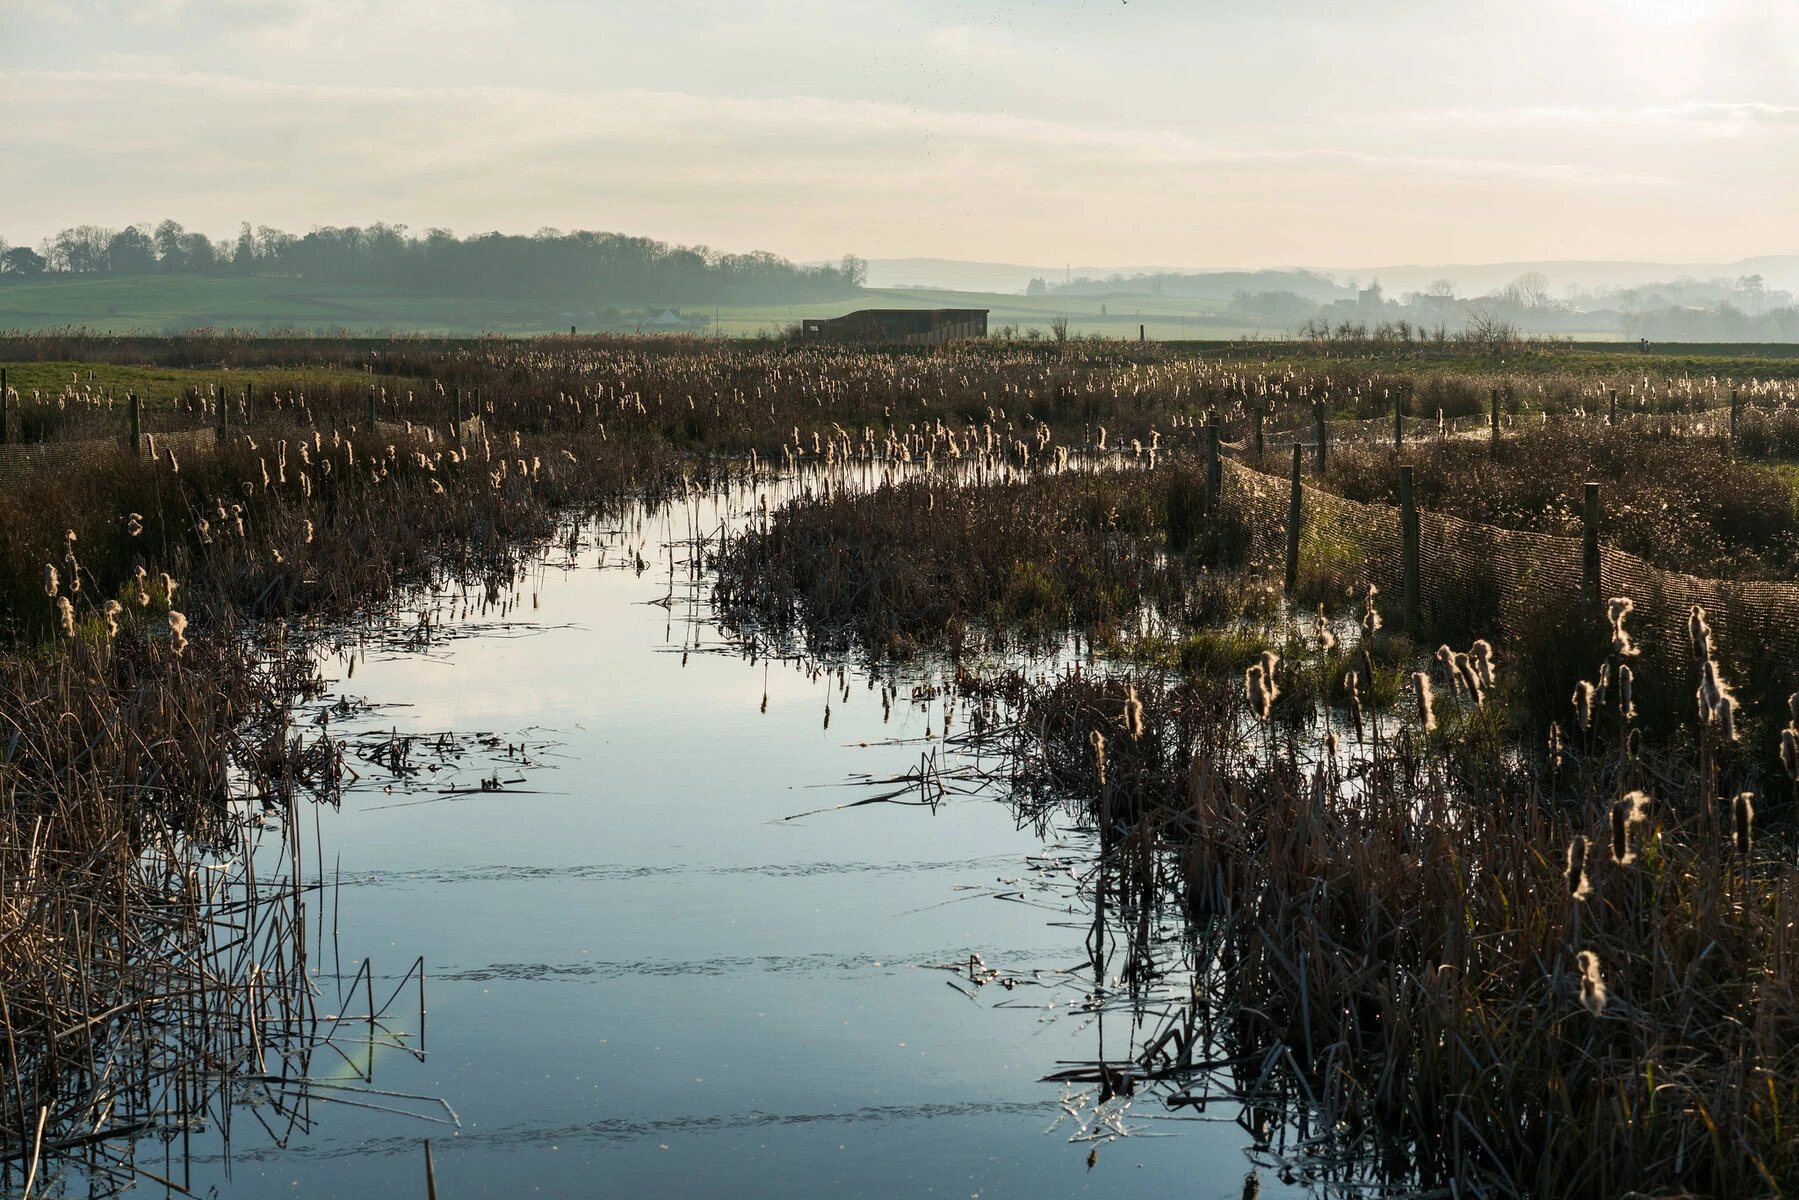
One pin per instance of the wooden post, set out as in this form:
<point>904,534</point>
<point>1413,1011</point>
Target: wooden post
<point>1258,435</point>
<point>1294,511</point>
<point>1589,566</point>
<point>1399,422</point>
<point>1214,469</point>
<point>224,413</point>
<point>1733,416</point>
<point>1323,433</point>
<point>1408,540</point>
<point>1613,419</point>
<point>1140,334</point>
<point>371,409</point>
<point>1493,401</point>
<point>137,425</point>
<point>456,402</point>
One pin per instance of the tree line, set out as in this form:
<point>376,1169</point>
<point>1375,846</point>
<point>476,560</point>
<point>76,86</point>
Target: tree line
<point>579,266</point>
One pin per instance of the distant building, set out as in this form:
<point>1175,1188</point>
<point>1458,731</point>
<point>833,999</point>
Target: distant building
<point>898,326</point>
<point>670,319</point>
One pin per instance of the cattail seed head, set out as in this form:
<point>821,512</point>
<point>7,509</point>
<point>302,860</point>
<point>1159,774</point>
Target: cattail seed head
<point>1327,641</point>
<point>1583,705</point>
<point>1742,813</point>
<point>1616,609</point>
<point>52,582</point>
<point>1699,634</point>
<point>1446,660</point>
<point>177,631</point>
<point>1727,717</point>
<point>1133,712</point>
<point>112,609</point>
<point>1592,987</point>
<point>1421,689</point>
<point>1259,692</point>
<point>1789,752</point>
<point>1481,655</point>
<point>1626,677</point>
<point>1579,887</point>
<point>1464,670</point>
<point>65,615</point>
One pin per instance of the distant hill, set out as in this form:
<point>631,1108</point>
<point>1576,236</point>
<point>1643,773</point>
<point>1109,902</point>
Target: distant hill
<point>1779,271</point>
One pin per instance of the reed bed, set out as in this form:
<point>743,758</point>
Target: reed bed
<point>1450,966</point>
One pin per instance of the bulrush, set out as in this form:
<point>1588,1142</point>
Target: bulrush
<point>1370,617</point>
<point>52,582</point>
<point>177,631</point>
<point>1446,659</point>
<point>1352,683</point>
<point>1464,669</point>
<point>1592,987</point>
<point>1625,678</point>
<point>1327,641</point>
<point>1789,753</point>
<point>1133,712</point>
<point>65,615</point>
<point>1421,688</point>
<point>1627,813</point>
<point>111,611</point>
<point>1579,887</point>
<point>1583,705</point>
<point>1260,691</point>
<point>1742,822</point>
<point>1616,609</point>
<point>1699,634</point>
<point>1481,655</point>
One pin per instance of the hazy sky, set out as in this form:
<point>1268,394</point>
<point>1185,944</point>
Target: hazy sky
<point>1251,132</point>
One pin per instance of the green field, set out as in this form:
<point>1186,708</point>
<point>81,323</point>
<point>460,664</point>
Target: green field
<point>161,304</point>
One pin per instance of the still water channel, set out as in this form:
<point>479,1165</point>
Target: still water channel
<point>642,979</point>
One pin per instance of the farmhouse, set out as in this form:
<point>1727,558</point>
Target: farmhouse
<point>899,326</point>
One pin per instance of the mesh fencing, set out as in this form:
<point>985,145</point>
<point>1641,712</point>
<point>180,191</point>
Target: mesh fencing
<point>1521,588</point>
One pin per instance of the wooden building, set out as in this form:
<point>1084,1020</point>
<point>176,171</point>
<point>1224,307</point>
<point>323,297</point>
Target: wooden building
<point>898,326</point>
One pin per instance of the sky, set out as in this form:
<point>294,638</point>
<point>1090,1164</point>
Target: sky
<point>1173,132</point>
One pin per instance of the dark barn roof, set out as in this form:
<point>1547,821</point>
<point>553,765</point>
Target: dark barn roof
<point>899,326</point>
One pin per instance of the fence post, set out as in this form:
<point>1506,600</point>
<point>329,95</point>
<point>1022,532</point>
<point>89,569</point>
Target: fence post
<point>1399,421</point>
<point>1140,334</point>
<point>1323,434</point>
<point>1294,510</point>
<point>5,405</point>
<point>137,425</point>
<point>1493,402</point>
<point>1589,565</point>
<point>371,408</point>
<point>1613,419</point>
<point>1258,435</point>
<point>1214,469</point>
<point>456,402</point>
<point>224,413</point>
<point>1733,417</point>
<point>1408,541</point>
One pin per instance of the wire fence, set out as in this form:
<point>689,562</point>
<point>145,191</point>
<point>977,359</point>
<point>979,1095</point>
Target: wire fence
<point>1520,588</point>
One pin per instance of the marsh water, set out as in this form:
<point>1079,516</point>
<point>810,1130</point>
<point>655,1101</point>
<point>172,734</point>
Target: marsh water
<point>645,973</point>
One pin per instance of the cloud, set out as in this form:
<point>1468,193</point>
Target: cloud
<point>806,176</point>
